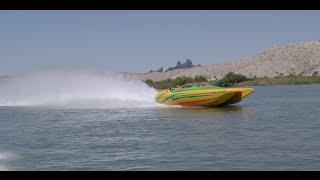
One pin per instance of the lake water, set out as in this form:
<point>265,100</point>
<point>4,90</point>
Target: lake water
<point>277,128</point>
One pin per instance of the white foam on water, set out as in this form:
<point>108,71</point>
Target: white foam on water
<point>5,157</point>
<point>3,168</point>
<point>78,88</point>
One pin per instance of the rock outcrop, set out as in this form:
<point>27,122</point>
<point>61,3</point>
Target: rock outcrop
<point>279,60</point>
<point>159,70</point>
<point>185,65</point>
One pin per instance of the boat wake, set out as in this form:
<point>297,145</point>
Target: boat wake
<point>88,89</point>
<point>5,157</point>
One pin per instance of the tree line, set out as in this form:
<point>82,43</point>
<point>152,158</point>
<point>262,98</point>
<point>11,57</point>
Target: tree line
<point>228,80</point>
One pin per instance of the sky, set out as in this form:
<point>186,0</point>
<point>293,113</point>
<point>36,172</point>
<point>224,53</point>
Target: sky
<point>138,41</point>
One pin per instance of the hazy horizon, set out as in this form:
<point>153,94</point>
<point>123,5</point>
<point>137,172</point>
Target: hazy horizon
<point>138,41</point>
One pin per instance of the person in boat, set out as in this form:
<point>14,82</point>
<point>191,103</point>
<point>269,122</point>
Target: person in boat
<point>177,87</point>
<point>180,87</point>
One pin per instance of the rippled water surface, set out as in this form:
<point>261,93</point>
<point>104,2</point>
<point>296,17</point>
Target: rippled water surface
<point>277,128</point>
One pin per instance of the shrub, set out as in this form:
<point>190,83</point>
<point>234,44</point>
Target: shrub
<point>181,81</point>
<point>230,79</point>
<point>200,79</point>
<point>164,84</point>
<point>149,82</point>
<point>315,73</point>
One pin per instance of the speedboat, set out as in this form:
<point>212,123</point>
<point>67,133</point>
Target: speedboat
<point>203,96</point>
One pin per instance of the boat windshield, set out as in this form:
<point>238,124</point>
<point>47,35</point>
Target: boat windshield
<point>189,85</point>
<point>204,84</point>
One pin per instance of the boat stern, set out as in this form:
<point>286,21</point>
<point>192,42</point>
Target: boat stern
<point>162,96</point>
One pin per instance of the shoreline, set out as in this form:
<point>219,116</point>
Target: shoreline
<point>285,80</point>
<point>264,85</point>
<point>259,81</point>
<point>265,81</point>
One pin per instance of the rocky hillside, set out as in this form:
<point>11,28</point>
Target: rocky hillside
<point>187,64</point>
<point>279,60</point>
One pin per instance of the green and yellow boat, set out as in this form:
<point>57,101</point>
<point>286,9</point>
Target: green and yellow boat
<point>203,96</point>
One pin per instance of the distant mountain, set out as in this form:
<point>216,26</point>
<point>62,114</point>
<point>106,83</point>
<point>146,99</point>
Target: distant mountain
<point>281,60</point>
<point>159,70</point>
<point>185,65</point>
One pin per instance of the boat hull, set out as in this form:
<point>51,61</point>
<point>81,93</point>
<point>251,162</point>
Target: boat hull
<point>206,97</point>
<point>240,95</point>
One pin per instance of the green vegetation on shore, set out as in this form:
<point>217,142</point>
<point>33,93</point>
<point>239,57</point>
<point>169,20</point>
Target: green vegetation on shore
<point>165,84</point>
<point>232,79</point>
<point>281,80</point>
<point>229,80</point>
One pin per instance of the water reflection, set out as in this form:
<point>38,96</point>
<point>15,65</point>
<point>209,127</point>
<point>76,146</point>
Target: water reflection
<point>244,112</point>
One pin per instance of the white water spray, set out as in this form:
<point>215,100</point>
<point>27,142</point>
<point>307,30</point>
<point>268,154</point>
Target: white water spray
<point>6,157</point>
<point>76,89</point>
